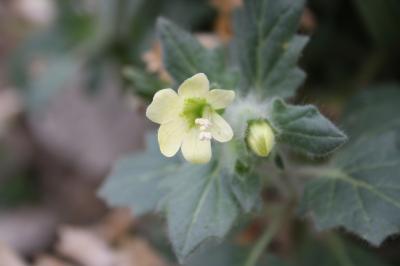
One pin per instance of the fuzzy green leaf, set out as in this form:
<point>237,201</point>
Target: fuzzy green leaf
<point>145,84</point>
<point>304,128</point>
<point>196,199</point>
<point>135,180</point>
<point>268,47</point>
<point>184,56</point>
<point>361,190</point>
<point>200,207</point>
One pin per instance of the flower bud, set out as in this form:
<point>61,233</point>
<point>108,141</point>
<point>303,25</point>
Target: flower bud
<point>260,138</point>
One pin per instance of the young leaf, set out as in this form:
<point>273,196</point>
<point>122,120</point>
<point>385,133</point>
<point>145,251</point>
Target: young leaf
<point>199,207</point>
<point>135,180</point>
<point>145,84</point>
<point>184,56</point>
<point>361,191</point>
<point>267,46</point>
<point>304,129</point>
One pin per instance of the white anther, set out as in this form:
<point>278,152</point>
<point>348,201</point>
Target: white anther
<point>204,135</point>
<point>204,123</point>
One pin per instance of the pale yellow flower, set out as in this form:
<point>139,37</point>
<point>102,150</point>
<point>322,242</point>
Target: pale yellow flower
<point>189,118</point>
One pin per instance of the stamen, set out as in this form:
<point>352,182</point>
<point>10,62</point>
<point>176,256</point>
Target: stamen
<point>204,135</point>
<point>204,123</point>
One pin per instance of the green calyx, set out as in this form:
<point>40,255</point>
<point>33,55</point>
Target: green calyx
<point>193,108</point>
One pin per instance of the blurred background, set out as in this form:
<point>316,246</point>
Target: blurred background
<point>75,78</point>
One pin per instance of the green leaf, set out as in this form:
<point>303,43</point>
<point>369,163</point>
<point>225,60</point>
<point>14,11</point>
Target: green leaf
<point>184,56</point>
<point>361,189</point>
<point>199,207</point>
<point>267,46</point>
<point>145,84</point>
<point>196,199</point>
<point>304,128</point>
<point>136,180</point>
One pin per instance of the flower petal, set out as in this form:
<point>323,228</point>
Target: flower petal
<point>195,87</point>
<point>170,136</point>
<point>220,99</point>
<point>164,107</point>
<point>195,150</point>
<point>220,129</point>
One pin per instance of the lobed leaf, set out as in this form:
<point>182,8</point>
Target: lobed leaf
<point>361,190</point>
<point>196,199</point>
<point>145,84</point>
<point>136,180</point>
<point>184,56</point>
<point>267,46</point>
<point>200,207</point>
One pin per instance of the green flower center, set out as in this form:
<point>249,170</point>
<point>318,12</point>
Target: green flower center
<point>193,108</point>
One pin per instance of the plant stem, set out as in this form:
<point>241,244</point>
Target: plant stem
<point>264,240</point>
